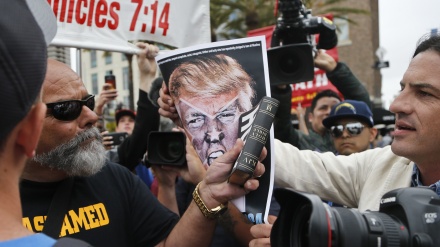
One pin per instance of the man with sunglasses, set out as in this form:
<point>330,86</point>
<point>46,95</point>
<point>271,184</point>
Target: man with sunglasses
<point>351,126</point>
<point>318,137</point>
<point>107,205</point>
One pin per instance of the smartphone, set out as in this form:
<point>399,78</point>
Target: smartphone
<point>111,79</point>
<point>118,137</point>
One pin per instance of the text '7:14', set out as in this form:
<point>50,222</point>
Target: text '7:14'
<point>162,22</point>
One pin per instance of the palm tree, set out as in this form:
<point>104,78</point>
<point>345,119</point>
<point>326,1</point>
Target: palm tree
<point>233,18</point>
<point>321,7</point>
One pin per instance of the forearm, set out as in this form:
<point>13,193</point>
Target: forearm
<point>194,229</point>
<point>132,150</point>
<point>331,177</point>
<point>236,224</point>
<point>146,81</point>
<point>348,84</point>
<point>167,196</point>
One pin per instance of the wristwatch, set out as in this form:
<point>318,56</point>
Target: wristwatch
<point>208,213</point>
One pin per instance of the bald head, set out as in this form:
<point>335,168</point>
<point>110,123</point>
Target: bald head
<point>62,78</point>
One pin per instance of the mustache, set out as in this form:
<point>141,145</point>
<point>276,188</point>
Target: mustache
<point>75,158</point>
<point>84,136</point>
<point>74,144</point>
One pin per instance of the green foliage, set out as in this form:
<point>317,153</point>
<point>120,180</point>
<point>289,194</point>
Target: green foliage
<point>232,19</point>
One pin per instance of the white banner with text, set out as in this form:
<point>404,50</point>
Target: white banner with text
<point>110,24</point>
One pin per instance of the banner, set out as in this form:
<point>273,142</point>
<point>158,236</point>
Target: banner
<point>110,24</point>
<point>215,86</point>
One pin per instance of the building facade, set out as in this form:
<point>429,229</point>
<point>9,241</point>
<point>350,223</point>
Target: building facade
<point>358,46</point>
<point>58,53</point>
<point>95,65</point>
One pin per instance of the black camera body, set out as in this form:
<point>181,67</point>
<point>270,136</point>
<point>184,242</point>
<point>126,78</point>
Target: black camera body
<point>291,54</point>
<point>166,148</point>
<point>407,217</point>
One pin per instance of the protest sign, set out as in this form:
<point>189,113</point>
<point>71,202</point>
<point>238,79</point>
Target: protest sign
<point>109,24</point>
<point>214,87</point>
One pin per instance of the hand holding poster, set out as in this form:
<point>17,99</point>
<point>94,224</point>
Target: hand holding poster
<point>212,85</point>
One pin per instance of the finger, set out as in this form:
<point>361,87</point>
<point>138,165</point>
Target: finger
<point>261,230</point>
<point>107,143</point>
<point>106,139</point>
<point>164,87</point>
<point>106,86</point>
<point>260,242</point>
<point>259,170</point>
<point>251,185</point>
<point>165,106</point>
<point>141,45</point>
<point>271,219</point>
<point>165,98</point>
<point>170,115</point>
<point>152,51</point>
<point>263,154</point>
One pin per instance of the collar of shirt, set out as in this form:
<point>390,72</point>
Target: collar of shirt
<point>415,181</point>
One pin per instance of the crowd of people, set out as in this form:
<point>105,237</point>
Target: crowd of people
<point>65,182</point>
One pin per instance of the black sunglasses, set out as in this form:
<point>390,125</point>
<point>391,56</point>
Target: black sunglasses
<point>70,109</point>
<point>353,129</point>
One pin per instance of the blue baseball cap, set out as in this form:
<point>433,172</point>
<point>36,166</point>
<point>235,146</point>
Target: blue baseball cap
<point>349,109</point>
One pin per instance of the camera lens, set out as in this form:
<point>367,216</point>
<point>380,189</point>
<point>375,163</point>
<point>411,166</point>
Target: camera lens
<point>289,64</point>
<point>346,227</point>
<point>300,227</point>
<point>304,221</point>
<point>171,149</point>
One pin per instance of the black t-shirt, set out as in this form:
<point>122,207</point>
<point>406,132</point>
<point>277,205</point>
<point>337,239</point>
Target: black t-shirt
<point>111,208</point>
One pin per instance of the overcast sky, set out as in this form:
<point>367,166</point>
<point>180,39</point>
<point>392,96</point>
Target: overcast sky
<point>401,24</point>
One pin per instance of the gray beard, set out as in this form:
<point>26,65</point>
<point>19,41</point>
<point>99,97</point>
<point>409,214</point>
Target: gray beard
<point>76,159</point>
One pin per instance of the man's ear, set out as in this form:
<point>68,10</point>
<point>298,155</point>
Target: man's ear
<point>30,129</point>
<point>373,134</point>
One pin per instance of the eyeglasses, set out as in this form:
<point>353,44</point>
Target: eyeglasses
<point>70,109</point>
<point>353,129</point>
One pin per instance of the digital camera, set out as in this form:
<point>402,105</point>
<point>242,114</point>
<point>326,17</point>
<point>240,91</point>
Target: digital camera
<point>166,148</point>
<point>290,57</point>
<point>407,217</point>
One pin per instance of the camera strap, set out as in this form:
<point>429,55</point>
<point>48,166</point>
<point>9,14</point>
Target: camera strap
<point>58,209</point>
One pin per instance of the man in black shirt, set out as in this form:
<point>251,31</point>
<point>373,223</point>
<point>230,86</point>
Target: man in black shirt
<point>108,205</point>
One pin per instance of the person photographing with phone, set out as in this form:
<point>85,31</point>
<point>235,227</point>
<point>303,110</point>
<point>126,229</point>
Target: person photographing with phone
<point>108,93</point>
<point>124,119</point>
